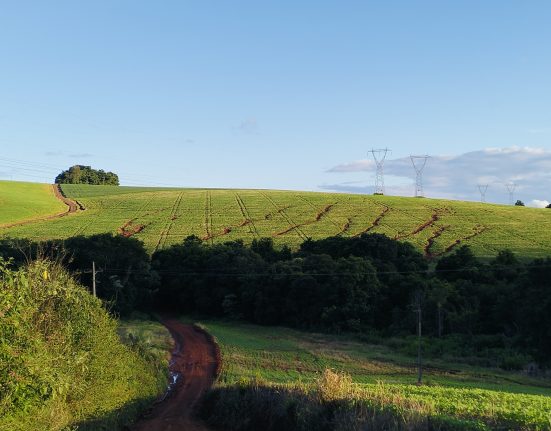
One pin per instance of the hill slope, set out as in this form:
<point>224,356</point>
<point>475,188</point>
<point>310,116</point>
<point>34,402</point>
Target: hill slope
<point>161,217</point>
<point>27,201</point>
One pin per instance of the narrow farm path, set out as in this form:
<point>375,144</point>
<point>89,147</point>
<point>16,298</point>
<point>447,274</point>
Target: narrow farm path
<point>194,365</point>
<point>72,207</point>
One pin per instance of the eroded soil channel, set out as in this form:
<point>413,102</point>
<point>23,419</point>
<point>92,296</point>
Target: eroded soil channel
<point>194,365</point>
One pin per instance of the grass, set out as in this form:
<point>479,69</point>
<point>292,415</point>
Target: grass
<point>292,360</point>
<point>62,363</point>
<point>26,201</point>
<point>161,217</point>
<point>150,339</point>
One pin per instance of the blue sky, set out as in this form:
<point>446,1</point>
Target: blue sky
<point>278,94</point>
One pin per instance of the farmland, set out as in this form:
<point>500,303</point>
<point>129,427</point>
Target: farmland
<point>286,358</point>
<point>162,217</point>
<point>21,202</point>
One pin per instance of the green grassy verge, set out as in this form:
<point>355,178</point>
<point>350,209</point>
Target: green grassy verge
<point>259,362</point>
<point>26,201</point>
<point>62,364</point>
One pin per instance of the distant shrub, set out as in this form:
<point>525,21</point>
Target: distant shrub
<point>80,174</point>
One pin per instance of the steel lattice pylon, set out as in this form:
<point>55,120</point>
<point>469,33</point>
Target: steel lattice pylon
<point>379,156</point>
<point>511,189</point>
<point>419,163</point>
<point>482,188</point>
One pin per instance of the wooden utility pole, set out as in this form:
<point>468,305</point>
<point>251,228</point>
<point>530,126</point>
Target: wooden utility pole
<point>94,278</point>
<point>94,272</point>
<point>419,352</point>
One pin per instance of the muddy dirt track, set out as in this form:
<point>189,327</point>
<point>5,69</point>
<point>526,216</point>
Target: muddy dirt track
<point>194,365</point>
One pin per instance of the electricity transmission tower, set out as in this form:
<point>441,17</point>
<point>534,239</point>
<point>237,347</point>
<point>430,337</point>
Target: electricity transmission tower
<point>511,189</point>
<point>482,188</point>
<point>419,163</point>
<point>379,155</point>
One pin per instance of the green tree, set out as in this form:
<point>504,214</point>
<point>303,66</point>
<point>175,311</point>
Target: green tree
<point>80,174</point>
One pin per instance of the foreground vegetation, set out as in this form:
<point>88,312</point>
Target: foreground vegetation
<point>276,378</point>
<point>162,217</point>
<point>499,309</point>
<point>62,365</point>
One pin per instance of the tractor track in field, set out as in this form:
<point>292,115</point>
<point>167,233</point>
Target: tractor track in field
<point>270,215</point>
<point>208,218</point>
<point>323,213</point>
<point>72,207</point>
<point>129,229</point>
<point>318,217</point>
<point>170,223</point>
<point>247,219</point>
<point>376,222</point>
<point>292,225</point>
<point>194,366</point>
<point>435,217</point>
<point>346,227</point>
<point>430,241</point>
<point>82,229</point>
<point>478,231</point>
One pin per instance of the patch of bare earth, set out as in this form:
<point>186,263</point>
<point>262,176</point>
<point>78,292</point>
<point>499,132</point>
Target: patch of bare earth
<point>194,366</point>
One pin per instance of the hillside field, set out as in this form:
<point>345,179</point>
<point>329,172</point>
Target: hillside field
<point>26,201</point>
<point>161,217</point>
<point>286,358</point>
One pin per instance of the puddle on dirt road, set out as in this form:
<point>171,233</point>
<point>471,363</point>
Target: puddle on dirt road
<point>174,378</point>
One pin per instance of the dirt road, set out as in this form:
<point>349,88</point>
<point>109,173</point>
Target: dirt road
<point>194,365</point>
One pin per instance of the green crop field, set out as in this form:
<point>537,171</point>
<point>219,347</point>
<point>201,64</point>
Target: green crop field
<point>285,357</point>
<point>161,217</point>
<point>26,201</point>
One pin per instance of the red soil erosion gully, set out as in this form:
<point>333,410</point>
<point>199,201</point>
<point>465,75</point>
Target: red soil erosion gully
<point>194,365</point>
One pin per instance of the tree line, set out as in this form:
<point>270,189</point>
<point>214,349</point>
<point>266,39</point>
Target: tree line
<point>80,174</point>
<point>367,284</point>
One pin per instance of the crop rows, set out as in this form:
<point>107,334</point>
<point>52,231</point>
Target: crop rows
<point>162,217</point>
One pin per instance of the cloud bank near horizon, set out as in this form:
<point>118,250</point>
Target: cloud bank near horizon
<point>457,177</point>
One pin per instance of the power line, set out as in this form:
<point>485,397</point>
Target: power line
<point>379,156</point>
<point>482,188</point>
<point>511,187</point>
<point>305,274</point>
<point>20,167</point>
<point>419,163</point>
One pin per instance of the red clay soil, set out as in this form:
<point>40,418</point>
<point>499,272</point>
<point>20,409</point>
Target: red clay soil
<point>318,218</point>
<point>72,207</point>
<point>194,365</point>
<point>375,222</point>
<point>346,227</point>
<point>437,233</point>
<point>429,223</point>
<point>478,230</point>
<point>129,229</point>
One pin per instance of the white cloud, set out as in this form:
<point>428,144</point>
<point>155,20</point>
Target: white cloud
<point>457,176</point>
<point>536,203</point>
